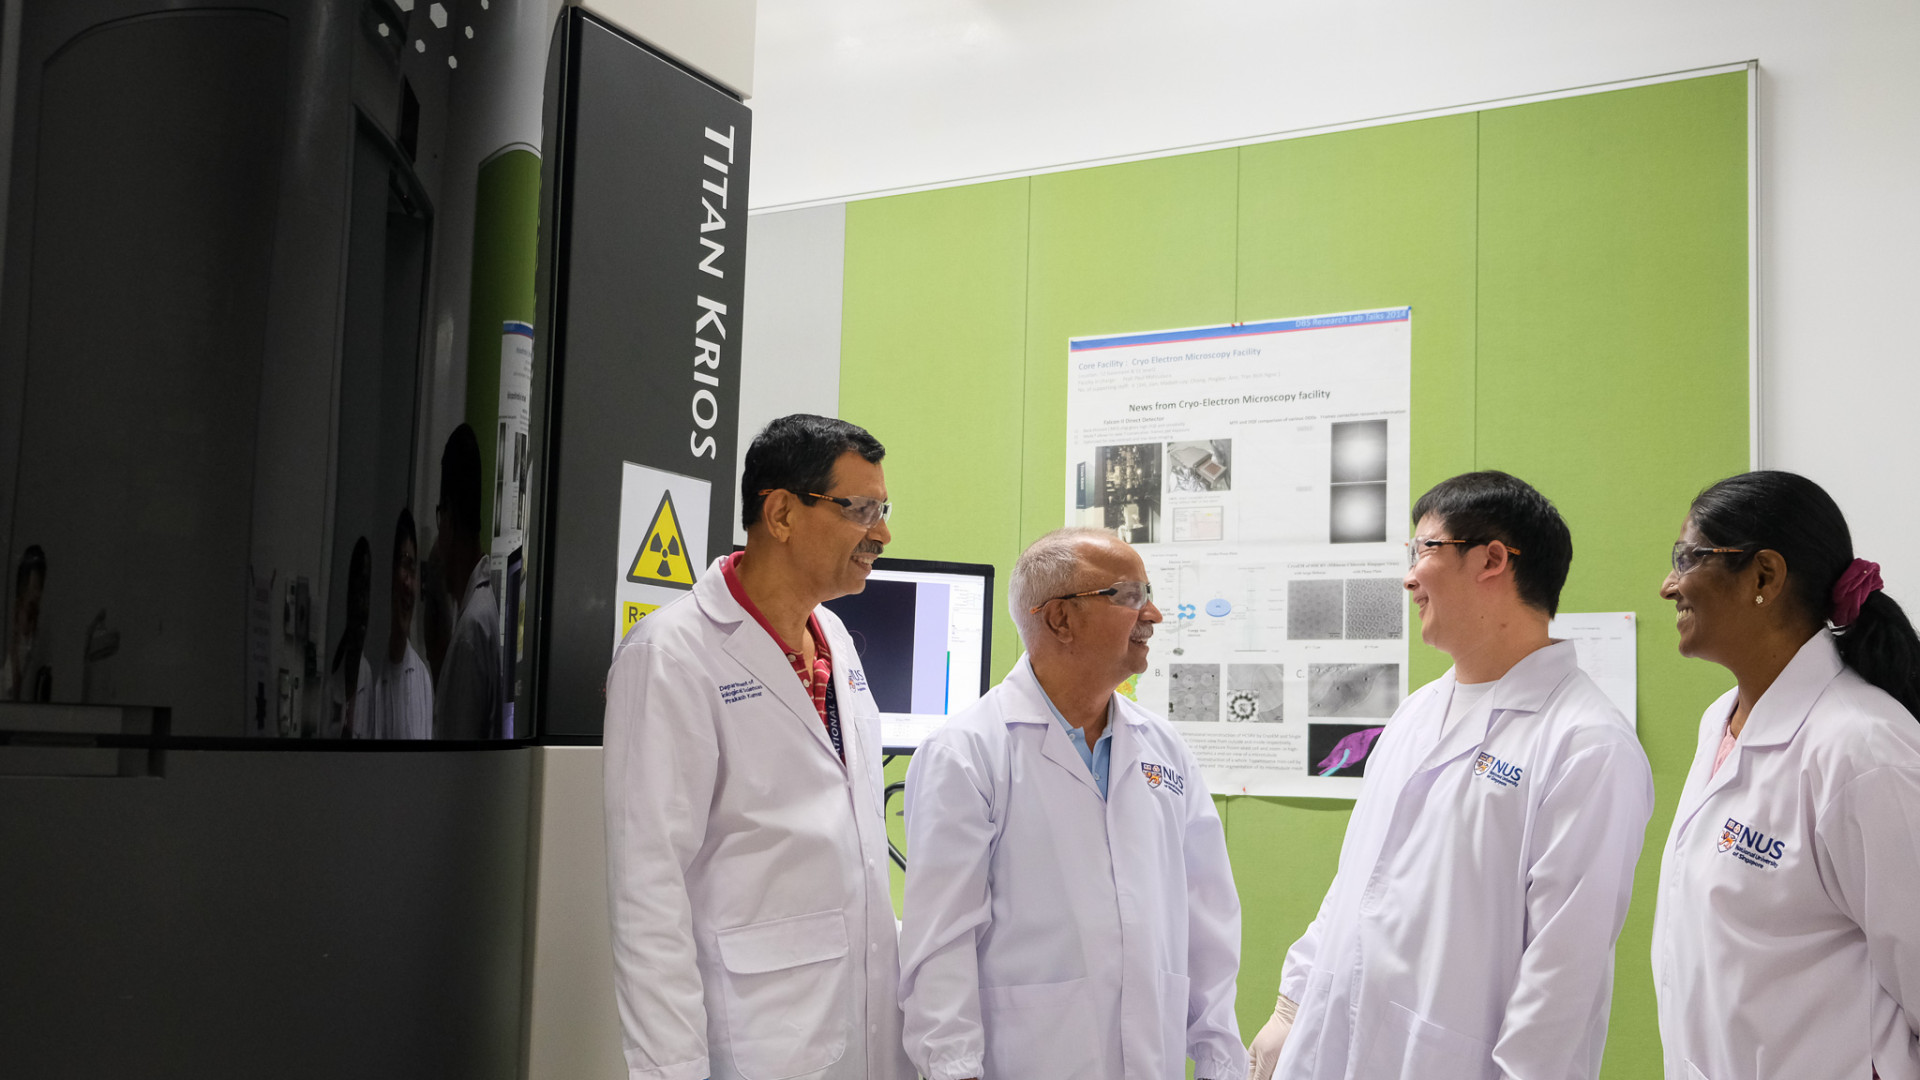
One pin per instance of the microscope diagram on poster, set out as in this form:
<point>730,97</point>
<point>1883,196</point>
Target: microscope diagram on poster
<point>1261,470</point>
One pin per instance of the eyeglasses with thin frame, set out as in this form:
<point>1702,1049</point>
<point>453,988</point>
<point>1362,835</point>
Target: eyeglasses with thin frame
<point>862,510</point>
<point>1420,545</point>
<point>1126,594</point>
<point>1687,556</point>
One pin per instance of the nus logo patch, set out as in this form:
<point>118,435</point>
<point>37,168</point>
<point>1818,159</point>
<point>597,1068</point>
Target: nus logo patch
<point>1503,773</point>
<point>857,679</point>
<point>1750,845</point>
<point>1161,778</point>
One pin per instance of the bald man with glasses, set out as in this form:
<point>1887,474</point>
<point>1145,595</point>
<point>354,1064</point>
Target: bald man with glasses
<point>1069,910</point>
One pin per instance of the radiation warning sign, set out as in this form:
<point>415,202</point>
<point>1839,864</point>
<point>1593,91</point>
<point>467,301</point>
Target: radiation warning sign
<point>663,542</point>
<point>663,554</point>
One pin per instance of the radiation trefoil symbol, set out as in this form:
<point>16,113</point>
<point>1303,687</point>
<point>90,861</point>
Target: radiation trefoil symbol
<point>662,558</point>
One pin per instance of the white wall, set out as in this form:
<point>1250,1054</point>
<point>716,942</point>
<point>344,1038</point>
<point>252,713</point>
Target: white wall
<point>714,37</point>
<point>862,96</point>
<point>790,334</point>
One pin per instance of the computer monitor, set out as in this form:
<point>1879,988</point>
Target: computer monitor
<point>924,631</point>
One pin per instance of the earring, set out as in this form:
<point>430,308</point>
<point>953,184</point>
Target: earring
<point>1759,599</point>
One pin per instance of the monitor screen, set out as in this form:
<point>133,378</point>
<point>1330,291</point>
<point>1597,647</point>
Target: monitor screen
<point>923,630</point>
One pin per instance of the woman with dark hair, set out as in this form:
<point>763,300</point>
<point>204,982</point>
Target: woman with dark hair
<point>1786,942</point>
<point>350,677</point>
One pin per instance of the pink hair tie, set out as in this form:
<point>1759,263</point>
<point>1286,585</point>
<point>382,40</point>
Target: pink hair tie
<point>1860,580</point>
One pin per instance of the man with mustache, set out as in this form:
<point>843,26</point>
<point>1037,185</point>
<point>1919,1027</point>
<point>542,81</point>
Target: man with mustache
<point>1070,912</point>
<point>753,930</point>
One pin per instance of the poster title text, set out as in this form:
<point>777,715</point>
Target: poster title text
<point>1165,358</point>
<point>1220,402</point>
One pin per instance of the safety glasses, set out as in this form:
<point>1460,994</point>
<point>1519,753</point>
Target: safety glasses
<point>1687,556</point>
<point>1126,594</point>
<point>1419,546</point>
<point>862,510</point>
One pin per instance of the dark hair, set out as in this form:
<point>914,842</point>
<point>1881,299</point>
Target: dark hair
<point>360,568</point>
<point>796,453</point>
<point>1792,515</point>
<point>33,563</point>
<point>460,481</point>
<point>1492,505</point>
<point>404,533</point>
<point>359,582</point>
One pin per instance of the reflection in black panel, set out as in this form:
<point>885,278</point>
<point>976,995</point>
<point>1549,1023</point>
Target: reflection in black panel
<point>156,170</point>
<point>262,264</point>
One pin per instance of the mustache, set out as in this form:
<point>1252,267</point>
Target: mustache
<point>1141,632</point>
<point>868,547</point>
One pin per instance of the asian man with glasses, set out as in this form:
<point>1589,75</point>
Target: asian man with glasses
<point>1486,870</point>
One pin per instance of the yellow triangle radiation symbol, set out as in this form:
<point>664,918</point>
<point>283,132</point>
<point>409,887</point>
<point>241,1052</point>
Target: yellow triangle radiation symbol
<point>662,558</point>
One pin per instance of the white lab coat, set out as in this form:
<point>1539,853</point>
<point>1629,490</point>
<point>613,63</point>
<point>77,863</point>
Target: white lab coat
<point>753,928</point>
<point>1050,933</point>
<point>337,711</point>
<point>466,703</point>
<point>402,700</point>
<point>1786,943</point>
<point>1484,877</point>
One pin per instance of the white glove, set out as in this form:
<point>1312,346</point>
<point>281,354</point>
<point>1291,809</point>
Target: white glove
<point>1264,1054</point>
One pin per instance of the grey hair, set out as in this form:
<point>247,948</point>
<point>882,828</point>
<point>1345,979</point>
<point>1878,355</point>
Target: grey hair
<point>1045,570</point>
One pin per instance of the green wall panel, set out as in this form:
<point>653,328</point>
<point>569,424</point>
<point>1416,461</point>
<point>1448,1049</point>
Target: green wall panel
<point>932,358</point>
<point>1577,271</point>
<point>1613,375</point>
<point>1284,853</point>
<point>1143,246</point>
<point>1373,218</point>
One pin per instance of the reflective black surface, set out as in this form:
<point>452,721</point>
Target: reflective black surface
<point>263,264</point>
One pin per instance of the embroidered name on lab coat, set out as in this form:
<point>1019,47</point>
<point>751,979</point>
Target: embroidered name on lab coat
<point>1163,778</point>
<point>1504,773</point>
<point>1751,846</point>
<point>734,693</point>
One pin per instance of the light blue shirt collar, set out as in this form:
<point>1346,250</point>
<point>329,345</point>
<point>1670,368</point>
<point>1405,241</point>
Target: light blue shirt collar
<point>1099,759</point>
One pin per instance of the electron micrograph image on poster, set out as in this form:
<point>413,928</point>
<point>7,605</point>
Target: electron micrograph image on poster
<point>1194,694</point>
<point>1358,514</point>
<point>1315,610</point>
<point>1256,693</point>
<point>1359,690</point>
<point>1357,504</point>
<point>1340,749</point>
<point>1376,609</point>
<point>1360,452</point>
<point>1200,466</point>
<point>1123,492</point>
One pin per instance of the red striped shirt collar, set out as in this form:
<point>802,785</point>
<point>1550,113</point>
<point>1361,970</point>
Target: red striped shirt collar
<point>740,594</point>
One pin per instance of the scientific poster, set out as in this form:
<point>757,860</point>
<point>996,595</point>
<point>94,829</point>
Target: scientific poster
<point>1261,469</point>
